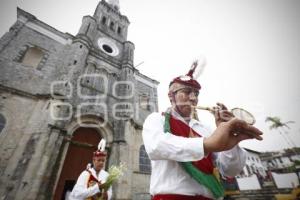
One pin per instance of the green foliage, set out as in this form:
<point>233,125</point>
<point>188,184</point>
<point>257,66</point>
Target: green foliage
<point>276,123</point>
<point>297,162</point>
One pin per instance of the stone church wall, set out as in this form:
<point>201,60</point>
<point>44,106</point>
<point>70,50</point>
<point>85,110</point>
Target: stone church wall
<point>23,143</point>
<point>33,143</point>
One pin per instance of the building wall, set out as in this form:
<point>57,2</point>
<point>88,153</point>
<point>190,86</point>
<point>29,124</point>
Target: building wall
<point>253,165</point>
<point>141,180</point>
<point>280,161</point>
<point>26,145</point>
<point>44,105</point>
<point>134,183</point>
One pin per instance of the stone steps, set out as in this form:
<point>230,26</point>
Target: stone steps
<point>263,194</point>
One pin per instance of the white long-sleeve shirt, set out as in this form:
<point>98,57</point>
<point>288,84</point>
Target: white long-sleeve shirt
<point>81,191</point>
<point>166,149</point>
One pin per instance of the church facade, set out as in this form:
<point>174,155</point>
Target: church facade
<point>60,95</point>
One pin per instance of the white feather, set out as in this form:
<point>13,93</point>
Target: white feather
<point>101,145</point>
<point>200,68</point>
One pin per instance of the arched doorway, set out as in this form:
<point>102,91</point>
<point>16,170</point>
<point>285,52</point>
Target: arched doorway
<point>78,156</point>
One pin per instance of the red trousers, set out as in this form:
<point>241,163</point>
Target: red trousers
<point>178,197</point>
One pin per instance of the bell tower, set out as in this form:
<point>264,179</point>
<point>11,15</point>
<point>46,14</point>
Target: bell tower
<point>106,33</point>
<point>110,21</point>
<point>115,4</point>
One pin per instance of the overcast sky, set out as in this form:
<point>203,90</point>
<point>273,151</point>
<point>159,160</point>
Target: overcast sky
<point>252,50</point>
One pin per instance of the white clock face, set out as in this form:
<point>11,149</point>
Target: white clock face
<point>108,46</point>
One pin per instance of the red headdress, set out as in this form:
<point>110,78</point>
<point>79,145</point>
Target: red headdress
<point>188,79</point>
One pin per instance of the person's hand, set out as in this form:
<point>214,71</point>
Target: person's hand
<point>228,134</point>
<point>104,196</point>
<point>103,186</point>
<point>103,191</point>
<point>221,114</point>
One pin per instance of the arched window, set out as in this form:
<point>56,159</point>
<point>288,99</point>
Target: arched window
<point>103,20</point>
<point>112,26</point>
<point>145,164</point>
<point>249,172</point>
<point>2,122</point>
<point>32,57</point>
<point>145,102</point>
<point>119,30</point>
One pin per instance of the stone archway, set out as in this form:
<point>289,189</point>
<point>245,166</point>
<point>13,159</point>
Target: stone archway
<point>84,142</point>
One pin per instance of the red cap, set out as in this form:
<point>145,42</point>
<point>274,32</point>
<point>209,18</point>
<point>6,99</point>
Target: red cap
<point>188,78</point>
<point>99,153</point>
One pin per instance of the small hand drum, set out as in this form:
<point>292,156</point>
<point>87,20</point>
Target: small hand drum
<point>244,115</point>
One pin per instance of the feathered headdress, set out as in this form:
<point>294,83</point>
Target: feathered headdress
<point>101,149</point>
<point>188,79</point>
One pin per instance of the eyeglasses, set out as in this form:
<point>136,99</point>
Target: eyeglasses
<point>188,91</point>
